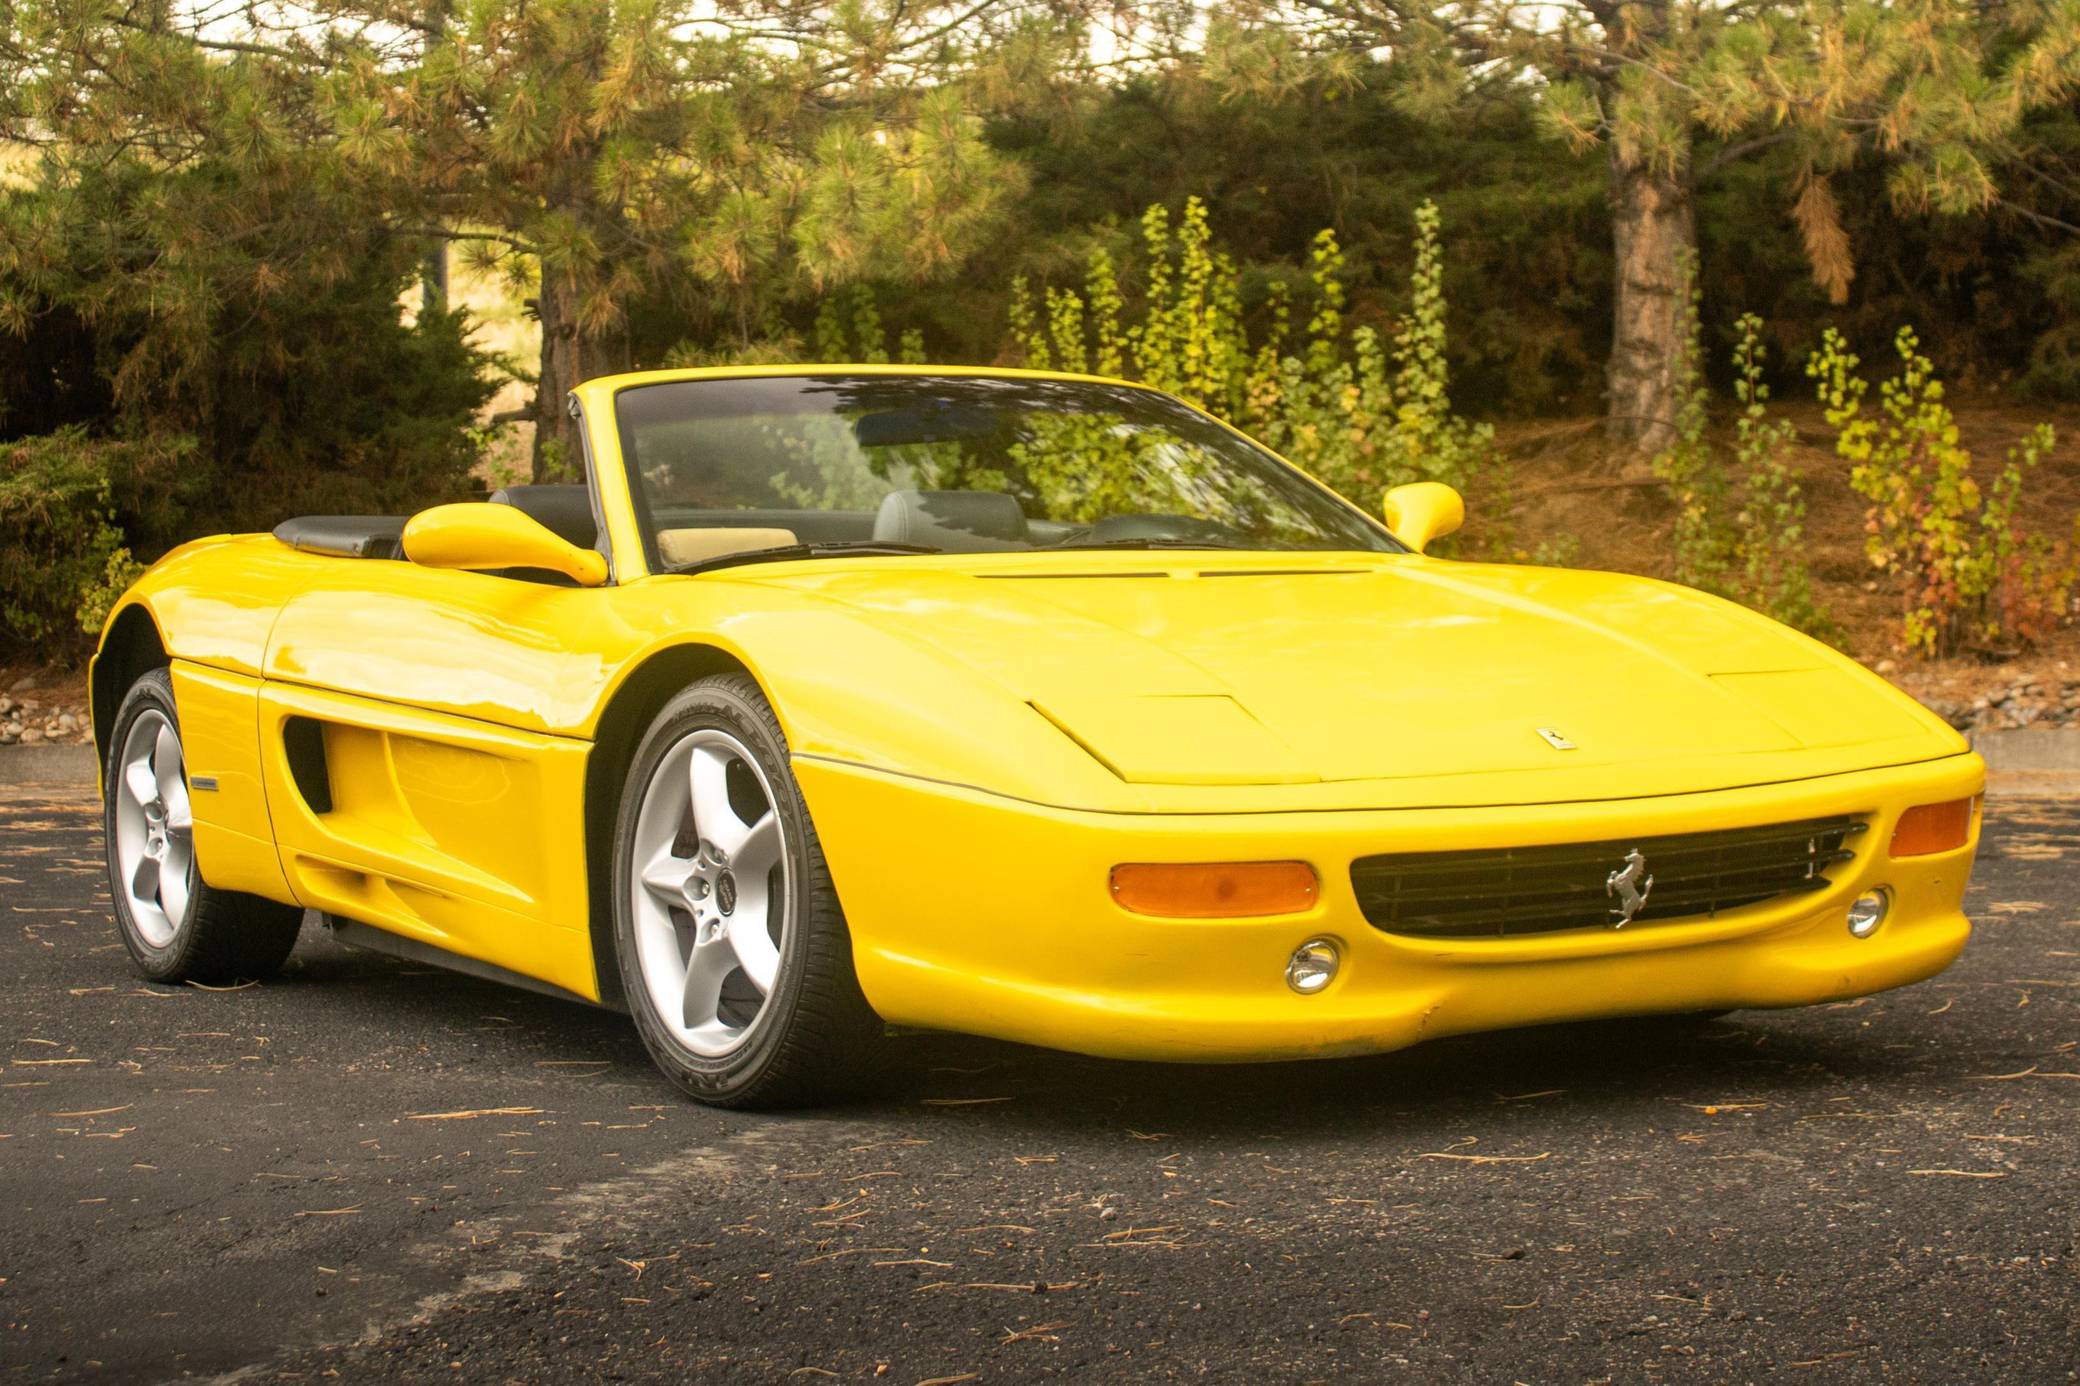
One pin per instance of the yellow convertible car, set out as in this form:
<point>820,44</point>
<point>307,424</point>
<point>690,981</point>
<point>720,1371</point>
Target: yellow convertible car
<point>845,700</point>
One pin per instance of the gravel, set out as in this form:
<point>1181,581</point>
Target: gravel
<point>33,722</point>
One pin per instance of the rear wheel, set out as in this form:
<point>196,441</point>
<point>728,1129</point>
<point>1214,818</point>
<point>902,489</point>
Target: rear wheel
<point>733,949</point>
<point>177,927</point>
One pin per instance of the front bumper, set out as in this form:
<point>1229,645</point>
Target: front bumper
<point>985,915</point>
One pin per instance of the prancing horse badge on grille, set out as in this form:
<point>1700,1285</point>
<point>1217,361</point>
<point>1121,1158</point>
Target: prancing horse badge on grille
<point>1629,885</point>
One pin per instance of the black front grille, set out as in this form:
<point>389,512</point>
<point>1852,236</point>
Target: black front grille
<point>1507,891</point>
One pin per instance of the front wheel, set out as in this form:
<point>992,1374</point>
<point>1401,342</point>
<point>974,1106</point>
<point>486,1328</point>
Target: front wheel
<point>733,949</point>
<point>177,926</point>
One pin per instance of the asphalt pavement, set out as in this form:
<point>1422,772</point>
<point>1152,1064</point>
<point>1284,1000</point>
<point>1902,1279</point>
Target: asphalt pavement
<point>370,1170</point>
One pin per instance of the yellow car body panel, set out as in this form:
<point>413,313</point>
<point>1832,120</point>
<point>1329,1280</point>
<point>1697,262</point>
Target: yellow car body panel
<point>1055,962</point>
<point>981,738</point>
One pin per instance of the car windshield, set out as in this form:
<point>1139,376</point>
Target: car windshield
<point>738,470</point>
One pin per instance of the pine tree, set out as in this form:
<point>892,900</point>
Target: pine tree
<point>603,152</point>
<point>1671,91</point>
<point>180,225</point>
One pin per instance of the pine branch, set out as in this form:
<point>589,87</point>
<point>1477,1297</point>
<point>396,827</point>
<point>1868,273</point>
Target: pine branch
<point>1733,153</point>
<point>2039,218</point>
<point>442,233</point>
<point>220,45</point>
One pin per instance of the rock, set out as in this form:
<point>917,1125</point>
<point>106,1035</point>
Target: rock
<point>1887,666</point>
<point>31,735</point>
<point>25,681</point>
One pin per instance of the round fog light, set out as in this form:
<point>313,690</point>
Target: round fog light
<point>1868,913</point>
<point>1313,965</point>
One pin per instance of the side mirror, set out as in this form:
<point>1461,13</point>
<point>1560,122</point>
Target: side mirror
<point>478,534</point>
<point>1417,513</point>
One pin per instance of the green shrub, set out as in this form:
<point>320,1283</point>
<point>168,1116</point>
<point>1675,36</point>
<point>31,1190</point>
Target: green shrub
<point>65,556</point>
<point>1740,521</point>
<point>1967,578</point>
<point>1705,538</point>
<point>1360,413</point>
<point>238,327</point>
<point>1772,517</point>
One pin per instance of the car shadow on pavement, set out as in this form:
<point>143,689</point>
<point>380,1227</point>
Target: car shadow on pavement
<point>1611,1067</point>
<point>1607,1067</point>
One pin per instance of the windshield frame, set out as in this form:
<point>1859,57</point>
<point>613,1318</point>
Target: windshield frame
<point>646,527</point>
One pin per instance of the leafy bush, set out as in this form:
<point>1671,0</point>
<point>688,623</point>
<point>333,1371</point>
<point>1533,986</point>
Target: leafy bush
<point>65,557</point>
<point>1706,538</point>
<point>1359,413</point>
<point>1771,519</point>
<point>1747,540</point>
<point>232,336</point>
<point>1967,578</point>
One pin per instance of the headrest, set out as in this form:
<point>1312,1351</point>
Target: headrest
<point>565,511</point>
<point>957,521</point>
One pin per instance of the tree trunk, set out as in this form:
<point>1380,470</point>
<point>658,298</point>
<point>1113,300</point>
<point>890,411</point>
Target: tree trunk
<point>567,361</point>
<point>433,279</point>
<point>1655,230</point>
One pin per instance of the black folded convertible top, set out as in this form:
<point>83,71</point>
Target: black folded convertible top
<point>345,536</point>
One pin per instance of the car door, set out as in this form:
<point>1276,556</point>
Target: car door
<point>421,742</point>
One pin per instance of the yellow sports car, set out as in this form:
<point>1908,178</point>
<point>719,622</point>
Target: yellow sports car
<point>848,699</point>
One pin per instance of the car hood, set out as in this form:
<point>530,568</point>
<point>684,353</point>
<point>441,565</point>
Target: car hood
<point>1305,669</point>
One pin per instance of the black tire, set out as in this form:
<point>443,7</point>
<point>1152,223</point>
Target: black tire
<point>223,936</point>
<point>815,1040</point>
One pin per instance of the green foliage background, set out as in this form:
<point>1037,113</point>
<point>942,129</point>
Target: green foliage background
<point>207,248</point>
<point>1528,273</point>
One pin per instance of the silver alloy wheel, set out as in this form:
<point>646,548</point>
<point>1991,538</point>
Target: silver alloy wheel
<point>710,891</point>
<point>154,828</point>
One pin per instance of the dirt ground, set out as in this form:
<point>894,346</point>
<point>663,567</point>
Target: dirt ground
<point>1568,500</point>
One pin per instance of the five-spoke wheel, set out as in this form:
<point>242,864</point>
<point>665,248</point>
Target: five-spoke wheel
<point>710,890</point>
<point>177,927</point>
<point>154,839</point>
<point>734,955</point>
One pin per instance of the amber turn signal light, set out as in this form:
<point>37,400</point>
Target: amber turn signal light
<point>1222,890</point>
<point>1930,828</point>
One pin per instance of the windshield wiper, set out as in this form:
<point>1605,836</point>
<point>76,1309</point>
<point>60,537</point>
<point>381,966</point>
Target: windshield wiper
<point>784,552</point>
<point>1160,543</point>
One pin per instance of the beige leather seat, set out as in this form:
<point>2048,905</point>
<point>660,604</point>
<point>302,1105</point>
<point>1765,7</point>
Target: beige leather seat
<point>683,546</point>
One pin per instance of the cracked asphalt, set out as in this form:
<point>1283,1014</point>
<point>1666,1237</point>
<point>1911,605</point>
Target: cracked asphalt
<point>369,1170</point>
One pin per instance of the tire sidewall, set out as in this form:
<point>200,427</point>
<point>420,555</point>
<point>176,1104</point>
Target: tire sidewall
<point>153,692</point>
<point>721,704</point>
